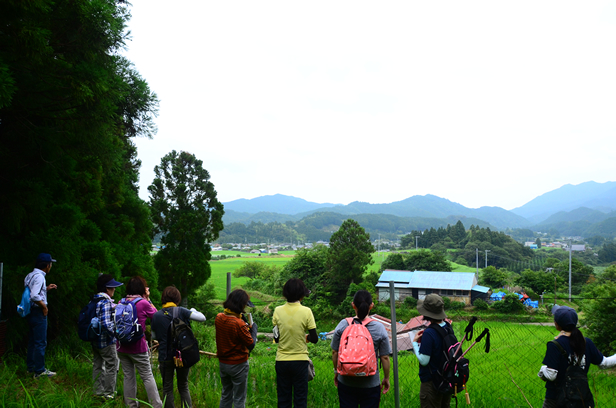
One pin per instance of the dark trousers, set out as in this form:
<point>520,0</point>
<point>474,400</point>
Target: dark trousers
<point>167,368</point>
<point>353,397</point>
<point>429,397</point>
<point>37,340</point>
<point>292,383</point>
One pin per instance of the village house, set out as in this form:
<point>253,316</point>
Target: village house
<point>458,286</point>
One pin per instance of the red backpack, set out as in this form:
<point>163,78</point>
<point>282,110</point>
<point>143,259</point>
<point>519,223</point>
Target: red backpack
<point>356,356</point>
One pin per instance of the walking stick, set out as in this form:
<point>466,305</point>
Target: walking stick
<point>468,333</point>
<point>485,331</point>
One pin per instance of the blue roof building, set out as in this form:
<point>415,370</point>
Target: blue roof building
<point>459,286</point>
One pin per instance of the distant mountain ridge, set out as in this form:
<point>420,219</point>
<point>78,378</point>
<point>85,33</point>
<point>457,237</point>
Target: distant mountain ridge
<point>584,204</point>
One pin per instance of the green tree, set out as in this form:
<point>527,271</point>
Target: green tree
<point>537,281</point>
<point>607,253</point>
<point>425,260</point>
<point>350,254</point>
<point>309,265</point>
<point>580,274</point>
<point>493,277</point>
<point>599,317</point>
<point>187,213</point>
<point>538,242</point>
<point>70,106</point>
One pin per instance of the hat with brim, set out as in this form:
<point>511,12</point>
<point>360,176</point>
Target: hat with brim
<point>42,257</point>
<point>250,304</point>
<point>432,306</point>
<point>565,317</point>
<point>113,284</point>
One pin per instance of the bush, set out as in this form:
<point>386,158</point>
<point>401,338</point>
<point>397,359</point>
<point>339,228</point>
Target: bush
<point>447,302</point>
<point>410,301</point>
<point>457,305</point>
<point>480,304</point>
<point>461,261</point>
<point>510,304</point>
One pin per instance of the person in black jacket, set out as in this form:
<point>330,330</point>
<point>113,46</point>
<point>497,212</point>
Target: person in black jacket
<point>161,321</point>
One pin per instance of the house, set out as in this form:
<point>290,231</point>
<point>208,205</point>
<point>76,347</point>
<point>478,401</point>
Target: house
<point>273,251</point>
<point>458,286</point>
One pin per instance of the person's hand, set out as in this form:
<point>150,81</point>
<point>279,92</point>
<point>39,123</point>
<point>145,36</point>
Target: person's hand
<point>385,385</point>
<point>336,379</point>
<point>147,293</point>
<point>52,286</point>
<point>418,336</point>
<point>45,310</point>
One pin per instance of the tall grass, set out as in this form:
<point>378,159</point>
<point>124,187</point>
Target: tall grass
<point>514,359</point>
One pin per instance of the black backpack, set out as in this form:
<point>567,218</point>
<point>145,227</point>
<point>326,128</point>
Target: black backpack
<point>453,371</point>
<point>181,342</point>
<point>574,391</point>
<point>88,326</point>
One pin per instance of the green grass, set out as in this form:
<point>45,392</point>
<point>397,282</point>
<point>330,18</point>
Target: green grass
<point>515,357</point>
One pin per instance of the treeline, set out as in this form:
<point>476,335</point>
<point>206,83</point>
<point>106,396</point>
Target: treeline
<point>463,244</point>
<point>70,107</point>
<point>320,226</point>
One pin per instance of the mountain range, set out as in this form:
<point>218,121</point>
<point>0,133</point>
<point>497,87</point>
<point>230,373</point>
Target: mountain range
<point>584,205</point>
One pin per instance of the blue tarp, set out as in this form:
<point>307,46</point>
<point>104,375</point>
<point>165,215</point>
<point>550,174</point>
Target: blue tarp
<point>533,304</point>
<point>497,296</point>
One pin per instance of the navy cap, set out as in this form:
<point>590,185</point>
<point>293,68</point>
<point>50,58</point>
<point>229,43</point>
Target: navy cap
<point>565,316</point>
<point>113,284</point>
<point>44,258</point>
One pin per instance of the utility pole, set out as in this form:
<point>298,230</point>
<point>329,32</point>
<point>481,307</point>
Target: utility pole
<point>570,247</point>
<point>550,270</point>
<point>416,236</point>
<point>477,260</point>
<point>487,250</point>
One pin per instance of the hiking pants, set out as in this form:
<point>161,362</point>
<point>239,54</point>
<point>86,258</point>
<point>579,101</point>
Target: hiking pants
<point>292,383</point>
<point>167,369</point>
<point>104,369</point>
<point>353,397</point>
<point>234,378</point>
<point>37,340</point>
<point>140,362</point>
<point>429,397</point>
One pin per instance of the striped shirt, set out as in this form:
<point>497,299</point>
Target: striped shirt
<point>232,339</point>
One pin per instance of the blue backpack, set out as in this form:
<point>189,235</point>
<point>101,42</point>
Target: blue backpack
<point>88,326</point>
<point>23,309</point>
<point>127,328</point>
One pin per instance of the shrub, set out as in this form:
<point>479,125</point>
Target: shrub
<point>480,304</point>
<point>447,302</point>
<point>461,261</point>
<point>510,304</point>
<point>410,301</point>
<point>457,305</point>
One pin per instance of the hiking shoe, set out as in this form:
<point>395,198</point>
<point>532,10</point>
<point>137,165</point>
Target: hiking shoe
<point>45,373</point>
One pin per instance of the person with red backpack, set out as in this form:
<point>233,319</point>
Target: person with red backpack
<point>428,346</point>
<point>357,345</point>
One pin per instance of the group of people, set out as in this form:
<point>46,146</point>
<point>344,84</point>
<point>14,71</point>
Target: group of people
<point>294,327</point>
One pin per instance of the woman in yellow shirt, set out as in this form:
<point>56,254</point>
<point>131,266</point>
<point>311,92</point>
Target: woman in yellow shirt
<point>292,321</point>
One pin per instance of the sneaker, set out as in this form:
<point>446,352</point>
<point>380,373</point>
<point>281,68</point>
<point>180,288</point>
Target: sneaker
<point>45,373</point>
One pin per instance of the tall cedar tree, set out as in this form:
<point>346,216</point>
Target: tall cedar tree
<point>350,254</point>
<point>188,215</point>
<point>69,106</point>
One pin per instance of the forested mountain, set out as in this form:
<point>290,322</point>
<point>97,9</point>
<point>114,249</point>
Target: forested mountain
<point>277,203</point>
<point>597,196</point>
<point>320,226</point>
<point>70,106</point>
<point>428,206</point>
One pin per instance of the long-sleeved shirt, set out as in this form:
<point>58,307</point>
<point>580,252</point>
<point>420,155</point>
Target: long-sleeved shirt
<point>104,312</point>
<point>38,285</point>
<point>234,339</point>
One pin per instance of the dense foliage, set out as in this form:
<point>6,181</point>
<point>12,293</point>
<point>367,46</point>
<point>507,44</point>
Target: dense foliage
<point>421,260</point>
<point>70,105</point>
<point>188,216</point>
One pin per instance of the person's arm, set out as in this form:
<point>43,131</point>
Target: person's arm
<point>35,295</point>
<point>312,336</point>
<point>608,362</point>
<point>335,361</point>
<point>424,360</point>
<point>106,320</point>
<point>196,316</point>
<point>385,364</point>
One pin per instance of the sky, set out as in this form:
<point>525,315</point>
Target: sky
<point>484,103</point>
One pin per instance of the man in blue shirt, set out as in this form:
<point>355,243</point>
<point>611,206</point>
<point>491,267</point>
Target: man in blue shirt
<point>37,318</point>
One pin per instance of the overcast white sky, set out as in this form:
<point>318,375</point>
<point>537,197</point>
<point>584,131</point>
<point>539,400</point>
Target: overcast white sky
<point>485,103</point>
